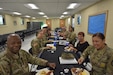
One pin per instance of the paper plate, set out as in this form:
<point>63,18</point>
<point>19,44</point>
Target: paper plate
<point>44,71</point>
<point>75,70</point>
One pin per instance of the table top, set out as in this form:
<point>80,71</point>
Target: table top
<point>54,57</point>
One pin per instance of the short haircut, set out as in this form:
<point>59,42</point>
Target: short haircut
<point>38,31</point>
<point>100,35</point>
<point>81,33</point>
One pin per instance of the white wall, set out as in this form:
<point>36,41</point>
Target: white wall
<point>10,27</point>
<point>99,7</point>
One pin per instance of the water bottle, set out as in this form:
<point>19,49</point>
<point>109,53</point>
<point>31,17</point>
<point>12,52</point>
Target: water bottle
<point>55,38</point>
<point>67,43</point>
<point>88,66</point>
<point>54,43</point>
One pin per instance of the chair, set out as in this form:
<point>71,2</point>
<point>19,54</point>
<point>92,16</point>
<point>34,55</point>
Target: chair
<point>30,51</point>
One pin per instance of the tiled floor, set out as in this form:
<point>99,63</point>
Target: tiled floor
<point>26,44</point>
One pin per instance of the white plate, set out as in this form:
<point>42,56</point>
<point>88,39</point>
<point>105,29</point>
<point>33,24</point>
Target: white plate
<point>46,70</point>
<point>85,72</point>
<point>51,45</point>
<point>67,61</point>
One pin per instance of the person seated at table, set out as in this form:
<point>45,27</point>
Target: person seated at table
<point>81,45</point>
<point>72,35</point>
<point>101,56</point>
<point>64,33</point>
<point>37,44</point>
<point>45,35</point>
<point>48,32</point>
<point>14,60</point>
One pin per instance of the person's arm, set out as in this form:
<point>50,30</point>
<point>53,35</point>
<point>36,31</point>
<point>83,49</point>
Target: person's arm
<point>35,47</point>
<point>87,51</point>
<point>4,68</point>
<point>109,66</point>
<point>33,59</point>
<point>37,61</point>
<point>84,54</point>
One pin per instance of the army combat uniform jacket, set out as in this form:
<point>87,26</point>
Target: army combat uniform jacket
<point>72,37</point>
<point>37,46</point>
<point>45,39</point>
<point>101,60</point>
<point>17,64</point>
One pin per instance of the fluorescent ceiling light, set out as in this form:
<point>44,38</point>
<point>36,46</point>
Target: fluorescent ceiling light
<point>27,16</point>
<point>65,13</point>
<point>31,6</point>
<point>41,13</point>
<point>1,8</point>
<point>72,6</point>
<point>33,18</point>
<point>45,16</point>
<point>17,13</point>
<point>61,16</point>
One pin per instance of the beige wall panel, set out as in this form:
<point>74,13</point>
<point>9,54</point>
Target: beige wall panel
<point>99,7</point>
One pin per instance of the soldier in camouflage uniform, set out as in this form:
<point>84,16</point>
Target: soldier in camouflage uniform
<point>64,33</point>
<point>101,56</point>
<point>71,35</point>
<point>37,44</point>
<point>14,61</point>
<point>45,36</point>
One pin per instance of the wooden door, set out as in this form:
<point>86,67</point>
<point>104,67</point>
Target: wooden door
<point>48,22</point>
<point>62,22</point>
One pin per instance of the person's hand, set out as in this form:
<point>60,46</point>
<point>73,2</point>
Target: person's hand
<point>70,45</point>
<point>80,60</point>
<point>52,65</point>
<point>73,49</point>
<point>50,41</point>
<point>48,47</point>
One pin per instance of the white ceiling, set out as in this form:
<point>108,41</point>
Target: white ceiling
<point>52,8</point>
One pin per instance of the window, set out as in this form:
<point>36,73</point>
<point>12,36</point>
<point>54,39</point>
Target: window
<point>73,22</point>
<point>22,21</point>
<point>2,20</point>
<point>97,23</point>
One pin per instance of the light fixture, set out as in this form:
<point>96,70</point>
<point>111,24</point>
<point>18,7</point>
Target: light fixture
<point>16,13</point>
<point>45,16</point>
<point>73,5</point>
<point>31,6</point>
<point>41,13</point>
<point>1,8</point>
<point>65,13</point>
<point>61,16</point>
<point>33,18</point>
<point>27,16</point>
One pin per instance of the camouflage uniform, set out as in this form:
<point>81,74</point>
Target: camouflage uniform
<point>72,37</point>
<point>17,64</point>
<point>101,60</point>
<point>45,39</point>
<point>37,46</point>
<point>65,34</point>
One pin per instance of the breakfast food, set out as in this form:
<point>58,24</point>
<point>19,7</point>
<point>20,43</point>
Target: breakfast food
<point>79,71</point>
<point>45,72</point>
<point>67,48</point>
<point>67,56</point>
